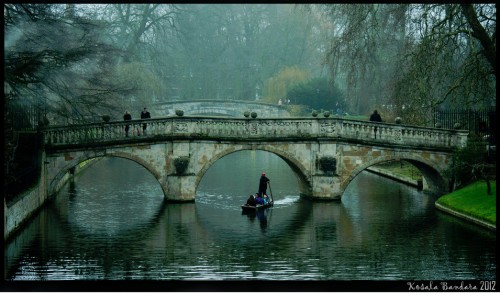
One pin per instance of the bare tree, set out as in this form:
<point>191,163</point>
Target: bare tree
<point>58,61</point>
<point>230,50</point>
<point>143,32</point>
<point>132,26</point>
<point>415,57</point>
<point>449,60</point>
<point>484,29</point>
<point>366,38</point>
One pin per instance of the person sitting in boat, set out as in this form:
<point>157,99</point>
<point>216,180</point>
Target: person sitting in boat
<point>251,200</point>
<point>259,200</point>
<point>266,198</point>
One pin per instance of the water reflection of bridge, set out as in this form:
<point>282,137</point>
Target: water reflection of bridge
<point>352,145</point>
<point>177,230</point>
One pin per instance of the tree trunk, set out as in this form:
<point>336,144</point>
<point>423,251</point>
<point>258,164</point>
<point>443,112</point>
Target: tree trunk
<point>480,34</point>
<point>488,186</point>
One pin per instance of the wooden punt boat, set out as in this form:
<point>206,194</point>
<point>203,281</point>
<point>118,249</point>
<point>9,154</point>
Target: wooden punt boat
<point>249,208</point>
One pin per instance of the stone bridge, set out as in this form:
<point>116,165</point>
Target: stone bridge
<point>304,143</point>
<point>227,108</point>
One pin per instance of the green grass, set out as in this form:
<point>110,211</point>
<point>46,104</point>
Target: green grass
<point>402,168</point>
<point>356,117</point>
<point>474,201</point>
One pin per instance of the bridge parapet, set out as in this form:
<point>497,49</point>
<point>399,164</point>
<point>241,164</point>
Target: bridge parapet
<point>273,129</point>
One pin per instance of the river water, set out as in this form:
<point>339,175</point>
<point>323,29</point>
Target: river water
<point>112,224</point>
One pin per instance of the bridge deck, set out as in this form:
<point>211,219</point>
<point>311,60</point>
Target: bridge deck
<point>235,129</point>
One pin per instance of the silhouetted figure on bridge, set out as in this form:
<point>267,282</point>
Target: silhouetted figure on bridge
<point>145,115</point>
<point>375,117</point>
<point>126,117</point>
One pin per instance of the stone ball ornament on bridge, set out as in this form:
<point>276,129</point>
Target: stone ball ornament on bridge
<point>179,112</point>
<point>254,115</point>
<point>398,120</point>
<point>246,114</point>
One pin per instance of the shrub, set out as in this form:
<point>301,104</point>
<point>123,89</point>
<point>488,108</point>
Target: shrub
<point>328,164</point>
<point>298,110</point>
<point>469,163</point>
<point>181,164</point>
<point>316,93</point>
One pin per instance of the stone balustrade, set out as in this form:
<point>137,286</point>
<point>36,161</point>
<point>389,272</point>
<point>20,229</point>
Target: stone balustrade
<point>244,129</point>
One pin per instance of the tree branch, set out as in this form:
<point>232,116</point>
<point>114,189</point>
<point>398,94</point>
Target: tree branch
<point>480,34</point>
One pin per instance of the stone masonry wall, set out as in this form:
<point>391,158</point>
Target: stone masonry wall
<point>17,213</point>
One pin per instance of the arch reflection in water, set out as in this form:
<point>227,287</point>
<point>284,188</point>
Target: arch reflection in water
<point>113,196</point>
<point>381,230</point>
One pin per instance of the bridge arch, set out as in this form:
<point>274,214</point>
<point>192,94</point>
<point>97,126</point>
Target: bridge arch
<point>295,165</point>
<point>138,160</point>
<point>217,156</point>
<point>298,168</point>
<point>57,179</point>
<point>432,173</point>
<point>54,184</point>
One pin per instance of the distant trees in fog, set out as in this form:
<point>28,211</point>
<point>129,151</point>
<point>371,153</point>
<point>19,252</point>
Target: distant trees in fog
<point>79,60</point>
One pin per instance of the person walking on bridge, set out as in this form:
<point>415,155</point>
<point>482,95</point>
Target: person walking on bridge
<point>375,117</point>
<point>263,184</point>
<point>127,117</point>
<point>145,115</point>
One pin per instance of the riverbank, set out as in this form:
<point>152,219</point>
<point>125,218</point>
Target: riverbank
<point>472,203</point>
<point>396,176</point>
<point>402,171</point>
